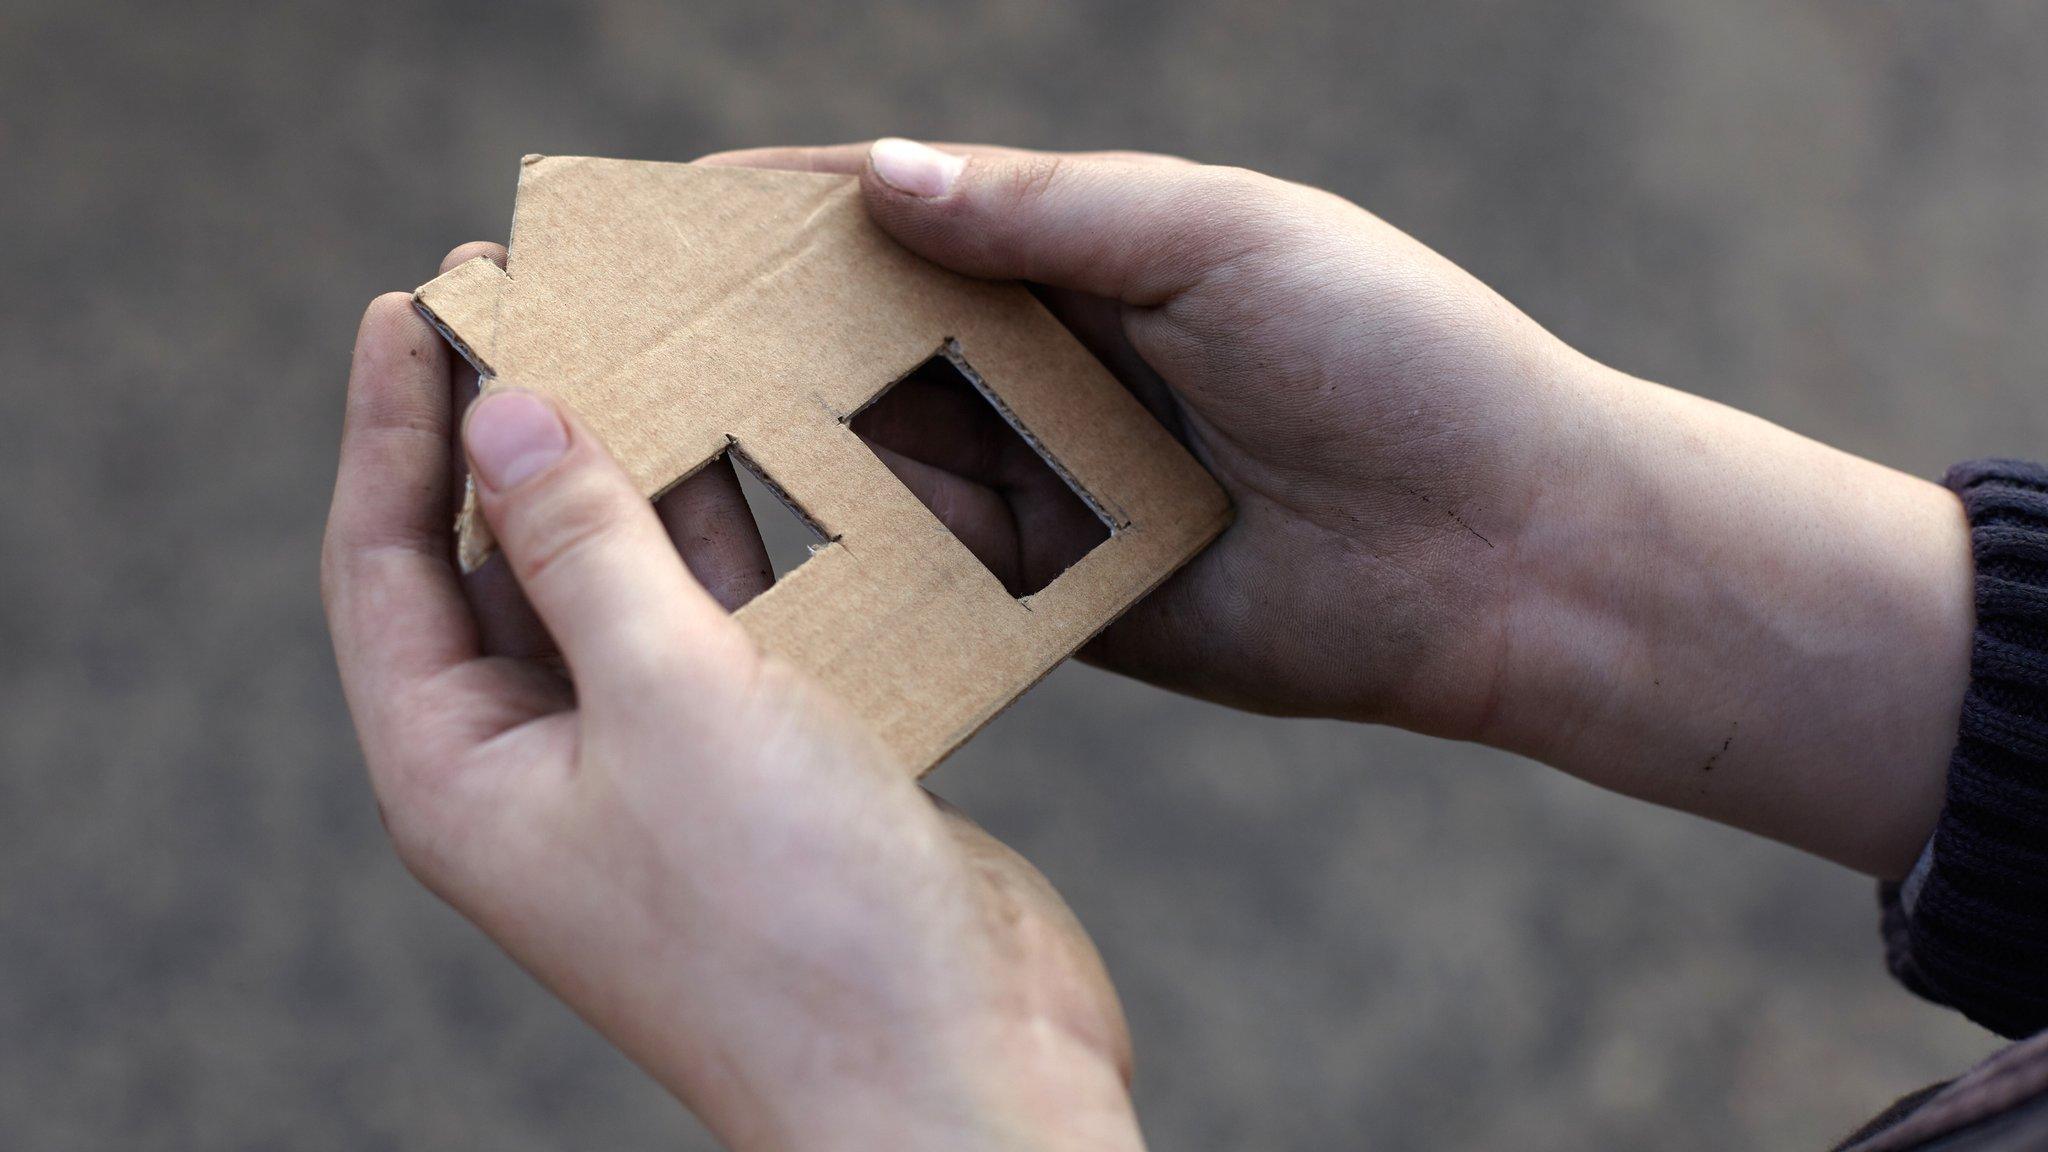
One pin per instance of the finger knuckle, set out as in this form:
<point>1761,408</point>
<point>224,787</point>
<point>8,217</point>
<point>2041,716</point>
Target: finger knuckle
<point>1020,187</point>
<point>1030,178</point>
<point>1237,221</point>
<point>407,830</point>
<point>1153,159</point>
<point>420,841</point>
<point>381,408</point>
<point>1240,196</point>
<point>422,801</point>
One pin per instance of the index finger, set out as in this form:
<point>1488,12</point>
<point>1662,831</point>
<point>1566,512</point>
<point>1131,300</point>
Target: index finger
<point>394,606</point>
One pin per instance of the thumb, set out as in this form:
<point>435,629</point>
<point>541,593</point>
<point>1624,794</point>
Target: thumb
<point>589,551</point>
<point>1125,229</point>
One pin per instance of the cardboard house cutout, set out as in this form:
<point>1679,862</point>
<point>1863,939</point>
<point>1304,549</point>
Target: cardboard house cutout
<point>685,311</point>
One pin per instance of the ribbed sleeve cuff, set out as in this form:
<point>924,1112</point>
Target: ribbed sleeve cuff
<point>1974,934</point>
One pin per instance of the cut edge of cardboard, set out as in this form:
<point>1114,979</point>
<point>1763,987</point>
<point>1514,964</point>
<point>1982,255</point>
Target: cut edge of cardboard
<point>461,304</point>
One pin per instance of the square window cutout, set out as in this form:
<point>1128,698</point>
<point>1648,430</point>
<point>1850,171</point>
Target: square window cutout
<point>965,458</point>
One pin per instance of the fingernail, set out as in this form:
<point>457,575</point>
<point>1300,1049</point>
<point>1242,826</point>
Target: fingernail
<point>908,166</point>
<point>513,436</point>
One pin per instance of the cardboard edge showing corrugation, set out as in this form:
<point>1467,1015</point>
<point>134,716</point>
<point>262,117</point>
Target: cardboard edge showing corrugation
<point>463,348</point>
<point>474,542</point>
<point>1116,522</point>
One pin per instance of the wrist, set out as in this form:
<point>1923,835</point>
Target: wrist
<point>1035,1089</point>
<point>1716,614</point>
<point>1063,1095</point>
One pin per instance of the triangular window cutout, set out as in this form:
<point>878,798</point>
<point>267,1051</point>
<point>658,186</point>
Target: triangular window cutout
<point>789,536</point>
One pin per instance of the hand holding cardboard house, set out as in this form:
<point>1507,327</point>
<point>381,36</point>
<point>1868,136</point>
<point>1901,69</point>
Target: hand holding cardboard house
<point>688,311</point>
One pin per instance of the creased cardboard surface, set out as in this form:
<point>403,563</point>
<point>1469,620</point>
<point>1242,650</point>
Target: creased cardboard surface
<point>681,310</point>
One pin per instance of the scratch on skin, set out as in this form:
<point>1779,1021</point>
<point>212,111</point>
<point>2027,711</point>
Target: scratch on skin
<point>1719,752</point>
<point>1469,528</point>
<point>1453,514</point>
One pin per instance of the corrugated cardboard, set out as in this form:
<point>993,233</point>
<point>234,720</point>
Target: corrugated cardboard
<point>683,311</point>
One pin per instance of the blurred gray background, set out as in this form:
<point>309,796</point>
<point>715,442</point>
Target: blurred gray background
<point>1830,213</point>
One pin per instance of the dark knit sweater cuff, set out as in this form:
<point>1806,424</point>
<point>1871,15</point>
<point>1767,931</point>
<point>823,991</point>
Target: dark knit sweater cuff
<point>1972,931</point>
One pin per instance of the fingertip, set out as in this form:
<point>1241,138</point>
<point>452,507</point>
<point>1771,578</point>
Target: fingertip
<point>588,552</point>
<point>914,169</point>
<point>939,225</point>
<point>513,435</point>
<point>394,334</point>
<point>389,314</point>
<point>463,253</point>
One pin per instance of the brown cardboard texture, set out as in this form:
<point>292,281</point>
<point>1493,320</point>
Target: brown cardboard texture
<point>683,311</point>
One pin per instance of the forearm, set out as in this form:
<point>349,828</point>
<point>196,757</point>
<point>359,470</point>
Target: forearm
<point>1715,614</point>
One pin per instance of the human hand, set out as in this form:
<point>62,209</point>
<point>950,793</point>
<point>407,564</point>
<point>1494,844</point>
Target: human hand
<point>1379,418</point>
<point>1449,520</point>
<point>693,847</point>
